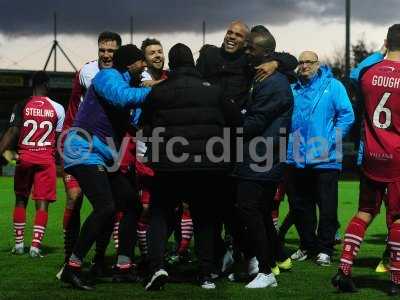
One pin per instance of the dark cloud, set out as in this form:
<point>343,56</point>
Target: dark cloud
<point>160,16</point>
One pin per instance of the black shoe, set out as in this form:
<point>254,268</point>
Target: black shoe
<point>394,289</point>
<point>343,282</point>
<point>157,280</point>
<point>99,270</point>
<point>125,275</point>
<point>185,257</point>
<point>73,276</point>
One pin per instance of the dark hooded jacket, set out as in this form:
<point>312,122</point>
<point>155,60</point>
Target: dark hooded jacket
<point>185,105</point>
<point>231,71</point>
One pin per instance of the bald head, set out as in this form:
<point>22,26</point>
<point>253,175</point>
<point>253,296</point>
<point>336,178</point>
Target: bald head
<point>264,40</point>
<point>307,55</point>
<point>236,36</point>
<point>308,64</point>
<point>240,24</point>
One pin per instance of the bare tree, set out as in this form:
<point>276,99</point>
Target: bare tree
<point>337,63</point>
<point>360,50</point>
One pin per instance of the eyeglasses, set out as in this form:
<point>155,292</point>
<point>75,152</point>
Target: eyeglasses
<point>307,62</point>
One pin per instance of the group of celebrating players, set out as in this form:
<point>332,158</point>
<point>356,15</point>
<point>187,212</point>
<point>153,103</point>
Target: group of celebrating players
<point>122,78</point>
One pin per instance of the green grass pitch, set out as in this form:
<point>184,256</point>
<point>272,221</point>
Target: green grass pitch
<point>24,278</point>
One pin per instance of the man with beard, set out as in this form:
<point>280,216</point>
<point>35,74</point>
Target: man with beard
<point>154,57</point>
<point>228,67</point>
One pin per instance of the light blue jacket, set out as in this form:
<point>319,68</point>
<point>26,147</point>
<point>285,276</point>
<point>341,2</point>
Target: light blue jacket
<point>114,88</point>
<point>355,78</point>
<point>322,116</point>
<point>369,61</point>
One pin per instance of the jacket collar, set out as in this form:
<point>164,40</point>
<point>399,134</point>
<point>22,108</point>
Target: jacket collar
<point>310,83</point>
<point>189,71</point>
<point>324,73</point>
<point>232,56</point>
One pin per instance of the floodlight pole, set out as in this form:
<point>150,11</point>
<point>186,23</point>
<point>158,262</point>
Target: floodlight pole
<point>54,49</point>
<point>131,29</point>
<point>55,42</point>
<point>347,61</point>
<point>204,33</point>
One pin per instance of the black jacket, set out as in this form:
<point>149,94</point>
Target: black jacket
<point>267,117</point>
<point>186,106</point>
<point>231,71</point>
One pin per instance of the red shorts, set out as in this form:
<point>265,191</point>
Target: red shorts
<point>374,193</point>
<point>41,176</point>
<point>70,181</point>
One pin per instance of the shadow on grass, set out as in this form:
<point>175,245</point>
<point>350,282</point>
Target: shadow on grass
<point>183,276</point>
<point>377,239</point>
<point>292,241</point>
<point>6,250</point>
<point>372,282</point>
<point>379,236</point>
<point>45,249</point>
<point>367,262</point>
<point>50,249</point>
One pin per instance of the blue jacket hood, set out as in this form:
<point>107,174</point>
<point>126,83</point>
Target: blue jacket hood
<point>324,72</point>
<point>322,116</point>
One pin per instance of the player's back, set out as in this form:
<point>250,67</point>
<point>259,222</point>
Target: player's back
<point>41,118</point>
<point>381,90</point>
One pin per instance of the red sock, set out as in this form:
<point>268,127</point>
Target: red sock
<point>394,243</point>
<point>186,230</point>
<point>351,245</point>
<point>19,219</point>
<point>142,236</point>
<point>118,218</point>
<point>39,228</point>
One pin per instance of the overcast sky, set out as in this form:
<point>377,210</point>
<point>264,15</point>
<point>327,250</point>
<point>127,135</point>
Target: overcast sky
<point>26,26</point>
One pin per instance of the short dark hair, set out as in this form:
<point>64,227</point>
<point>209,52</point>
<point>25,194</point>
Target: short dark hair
<point>40,78</point>
<point>205,48</point>
<point>260,29</point>
<point>267,41</point>
<point>393,38</point>
<point>148,42</point>
<point>180,55</point>
<point>109,36</point>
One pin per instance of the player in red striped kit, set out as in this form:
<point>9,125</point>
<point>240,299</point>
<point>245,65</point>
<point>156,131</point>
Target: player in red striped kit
<point>36,123</point>
<point>380,85</point>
